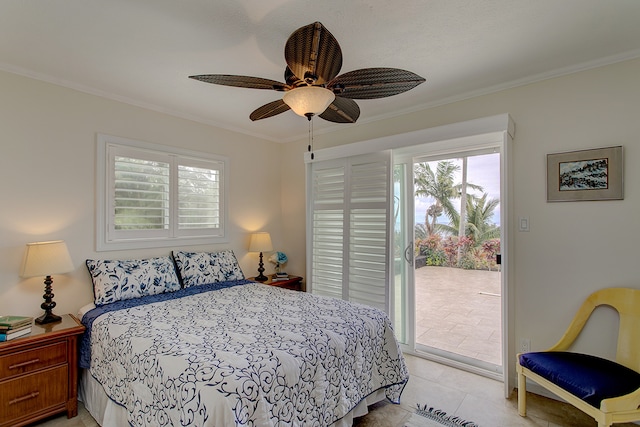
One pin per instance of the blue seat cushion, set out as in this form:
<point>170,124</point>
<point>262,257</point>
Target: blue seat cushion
<point>587,377</point>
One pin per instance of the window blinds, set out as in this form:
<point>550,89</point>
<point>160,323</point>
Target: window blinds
<point>153,195</point>
<point>350,202</point>
<point>198,197</point>
<point>141,199</point>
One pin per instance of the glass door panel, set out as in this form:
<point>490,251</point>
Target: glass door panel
<point>448,284</point>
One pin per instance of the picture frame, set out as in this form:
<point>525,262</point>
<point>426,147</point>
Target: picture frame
<point>595,174</point>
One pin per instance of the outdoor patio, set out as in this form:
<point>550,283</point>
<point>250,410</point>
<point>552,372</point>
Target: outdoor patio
<point>459,311</point>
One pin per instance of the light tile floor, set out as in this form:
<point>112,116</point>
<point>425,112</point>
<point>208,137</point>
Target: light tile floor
<point>473,398</point>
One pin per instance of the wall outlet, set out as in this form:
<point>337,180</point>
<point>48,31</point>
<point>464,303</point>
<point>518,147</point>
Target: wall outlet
<point>525,345</point>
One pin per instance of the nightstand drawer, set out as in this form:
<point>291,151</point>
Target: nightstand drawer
<point>32,360</point>
<point>292,282</point>
<point>293,285</point>
<point>34,392</point>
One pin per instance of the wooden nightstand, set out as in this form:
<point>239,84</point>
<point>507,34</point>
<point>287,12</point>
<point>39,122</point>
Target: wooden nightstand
<point>294,282</point>
<point>39,373</point>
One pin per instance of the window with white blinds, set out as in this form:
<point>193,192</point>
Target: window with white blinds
<point>141,194</point>
<point>350,203</point>
<point>198,197</point>
<point>150,195</point>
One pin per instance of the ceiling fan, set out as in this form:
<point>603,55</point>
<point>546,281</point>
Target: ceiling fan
<point>312,84</point>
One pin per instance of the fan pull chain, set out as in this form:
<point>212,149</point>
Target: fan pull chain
<point>310,146</point>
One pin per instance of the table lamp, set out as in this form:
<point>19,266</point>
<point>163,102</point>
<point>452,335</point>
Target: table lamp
<point>260,242</point>
<point>45,259</point>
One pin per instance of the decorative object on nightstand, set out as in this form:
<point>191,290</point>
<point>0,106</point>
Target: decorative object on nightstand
<point>260,242</point>
<point>279,259</point>
<point>45,259</point>
<point>39,373</point>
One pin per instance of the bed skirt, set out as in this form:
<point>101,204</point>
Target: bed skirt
<point>108,413</point>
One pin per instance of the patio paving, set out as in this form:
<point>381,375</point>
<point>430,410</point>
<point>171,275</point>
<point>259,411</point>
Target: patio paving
<point>459,311</point>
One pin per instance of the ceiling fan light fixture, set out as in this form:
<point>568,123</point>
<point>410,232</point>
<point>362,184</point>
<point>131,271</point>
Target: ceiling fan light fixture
<point>308,100</point>
<point>313,83</point>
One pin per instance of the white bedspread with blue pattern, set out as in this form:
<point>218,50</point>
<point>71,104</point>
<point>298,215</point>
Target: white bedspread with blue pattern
<point>242,355</point>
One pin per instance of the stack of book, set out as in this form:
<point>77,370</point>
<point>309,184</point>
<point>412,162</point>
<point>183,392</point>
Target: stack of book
<point>14,326</point>
<point>279,277</point>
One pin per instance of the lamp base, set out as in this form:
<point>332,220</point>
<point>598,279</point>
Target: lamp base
<point>48,304</point>
<point>48,318</point>
<point>261,277</point>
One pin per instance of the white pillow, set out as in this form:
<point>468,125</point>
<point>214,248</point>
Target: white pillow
<point>201,268</point>
<point>125,279</point>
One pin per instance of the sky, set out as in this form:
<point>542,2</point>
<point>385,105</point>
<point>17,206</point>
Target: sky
<point>483,170</point>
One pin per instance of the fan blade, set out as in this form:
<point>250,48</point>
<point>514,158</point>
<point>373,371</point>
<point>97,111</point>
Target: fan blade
<point>241,81</point>
<point>342,110</point>
<point>269,110</point>
<point>313,54</point>
<point>372,83</point>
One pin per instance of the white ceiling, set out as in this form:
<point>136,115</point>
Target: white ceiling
<point>141,51</point>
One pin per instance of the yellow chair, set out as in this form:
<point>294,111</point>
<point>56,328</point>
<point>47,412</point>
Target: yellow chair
<point>606,390</point>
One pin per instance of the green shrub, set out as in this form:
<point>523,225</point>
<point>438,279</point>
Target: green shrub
<point>468,262</point>
<point>435,257</point>
<point>439,251</point>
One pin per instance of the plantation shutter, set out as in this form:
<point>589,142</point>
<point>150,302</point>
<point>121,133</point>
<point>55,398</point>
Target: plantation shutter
<point>198,197</point>
<point>140,187</point>
<point>350,204</point>
<point>328,228</point>
<point>368,230</point>
<point>157,195</point>
<point>141,196</point>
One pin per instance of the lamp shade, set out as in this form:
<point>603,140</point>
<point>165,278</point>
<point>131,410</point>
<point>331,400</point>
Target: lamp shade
<point>307,100</point>
<point>46,258</point>
<point>260,242</point>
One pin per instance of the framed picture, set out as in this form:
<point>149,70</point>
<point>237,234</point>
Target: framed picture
<point>585,175</point>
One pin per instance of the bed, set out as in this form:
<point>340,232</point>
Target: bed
<point>208,348</point>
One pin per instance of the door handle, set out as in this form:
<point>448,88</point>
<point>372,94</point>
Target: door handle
<point>408,253</point>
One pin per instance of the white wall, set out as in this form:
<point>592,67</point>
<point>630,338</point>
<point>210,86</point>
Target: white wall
<point>47,183</point>
<point>573,248</point>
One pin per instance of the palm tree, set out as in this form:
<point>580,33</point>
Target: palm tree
<point>477,225</point>
<point>438,185</point>
<point>441,187</point>
<point>480,210</point>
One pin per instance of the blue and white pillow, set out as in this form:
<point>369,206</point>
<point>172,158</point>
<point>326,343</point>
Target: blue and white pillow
<point>201,268</point>
<point>126,279</point>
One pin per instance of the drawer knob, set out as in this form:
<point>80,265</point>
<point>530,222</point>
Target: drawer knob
<point>31,395</point>
<point>23,364</point>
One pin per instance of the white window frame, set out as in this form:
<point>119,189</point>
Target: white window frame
<point>107,238</point>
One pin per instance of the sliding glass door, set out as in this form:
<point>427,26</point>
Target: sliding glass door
<point>447,271</point>
<point>364,241</point>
